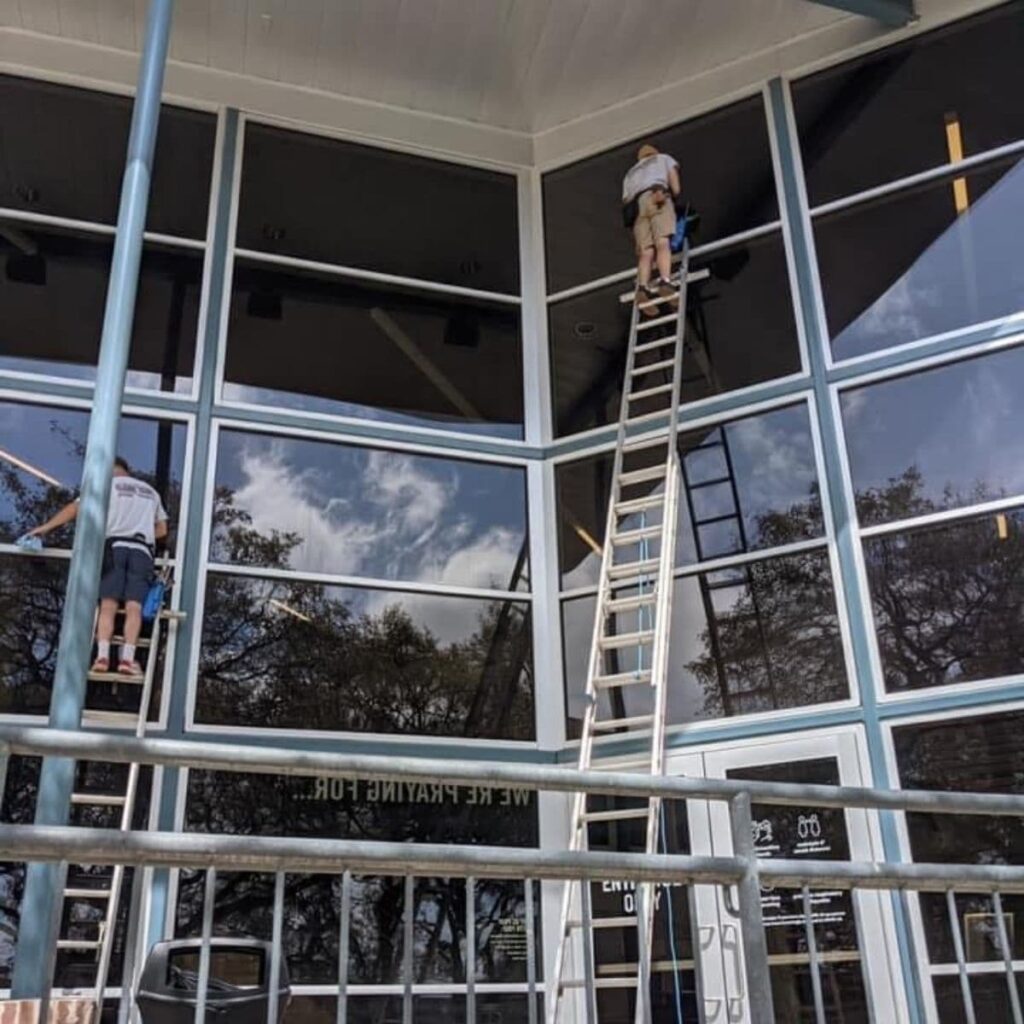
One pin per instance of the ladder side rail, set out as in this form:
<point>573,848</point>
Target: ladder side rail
<point>127,813</point>
<point>578,837</point>
<point>647,892</point>
<point>605,583</point>
<point>667,554</point>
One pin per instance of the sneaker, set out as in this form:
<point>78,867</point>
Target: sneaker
<point>646,294</point>
<point>100,665</point>
<point>132,669</point>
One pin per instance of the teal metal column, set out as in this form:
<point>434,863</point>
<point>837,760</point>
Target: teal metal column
<point>190,630</point>
<point>793,202</point>
<point>41,903</point>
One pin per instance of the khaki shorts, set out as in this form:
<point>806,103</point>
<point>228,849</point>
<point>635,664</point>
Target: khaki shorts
<point>653,221</point>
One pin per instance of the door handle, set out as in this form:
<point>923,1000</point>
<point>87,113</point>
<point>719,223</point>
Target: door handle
<point>737,1001</point>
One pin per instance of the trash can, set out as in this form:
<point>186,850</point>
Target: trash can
<point>239,989</point>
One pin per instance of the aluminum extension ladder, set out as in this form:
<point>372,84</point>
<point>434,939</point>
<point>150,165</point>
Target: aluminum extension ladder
<point>632,620</point>
<point>93,903</point>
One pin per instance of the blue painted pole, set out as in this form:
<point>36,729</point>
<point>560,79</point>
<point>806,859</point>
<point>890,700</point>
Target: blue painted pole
<point>191,568</point>
<point>41,903</point>
<point>794,205</point>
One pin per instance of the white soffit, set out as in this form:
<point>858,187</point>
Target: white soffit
<point>515,82</point>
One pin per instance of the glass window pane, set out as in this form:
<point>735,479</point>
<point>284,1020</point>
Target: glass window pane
<point>749,484</point>
<point>758,637</point>
<point>948,601</point>
<point>64,154</point>
<point>41,464</point>
<point>988,991</point>
<point>364,810</point>
<point>884,116</point>
<point>361,206</point>
<point>981,754</point>
<point>296,655</point>
<point>583,228</point>
<point>940,439</point>
<point>284,502</point>
<point>821,834</point>
<point>935,258</point>
<point>52,295</point>
<point>323,344</point>
<point>740,331</point>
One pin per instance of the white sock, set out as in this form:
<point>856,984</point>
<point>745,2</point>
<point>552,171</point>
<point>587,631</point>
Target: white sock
<point>127,652</point>
<point>103,649</point>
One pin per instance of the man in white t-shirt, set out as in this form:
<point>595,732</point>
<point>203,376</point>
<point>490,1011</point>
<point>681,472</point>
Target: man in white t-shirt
<point>136,520</point>
<point>652,182</point>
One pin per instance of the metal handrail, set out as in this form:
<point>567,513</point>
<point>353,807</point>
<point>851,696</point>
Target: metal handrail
<point>745,870</point>
<point>85,746</point>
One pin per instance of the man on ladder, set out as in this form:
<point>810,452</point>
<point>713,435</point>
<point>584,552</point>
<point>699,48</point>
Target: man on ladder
<point>648,192</point>
<point>136,520</point>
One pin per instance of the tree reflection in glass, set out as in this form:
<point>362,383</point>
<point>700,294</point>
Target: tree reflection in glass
<point>980,754</point>
<point>948,600</point>
<point>341,808</point>
<point>758,636</point>
<point>293,654</point>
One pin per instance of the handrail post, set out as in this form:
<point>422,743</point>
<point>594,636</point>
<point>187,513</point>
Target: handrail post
<point>755,945</point>
<point>36,948</point>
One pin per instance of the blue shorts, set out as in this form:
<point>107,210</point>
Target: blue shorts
<point>127,573</point>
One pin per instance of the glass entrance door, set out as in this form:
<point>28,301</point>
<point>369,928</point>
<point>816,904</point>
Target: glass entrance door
<point>854,934</point>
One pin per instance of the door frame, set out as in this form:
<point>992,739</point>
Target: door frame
<point>723,983</point>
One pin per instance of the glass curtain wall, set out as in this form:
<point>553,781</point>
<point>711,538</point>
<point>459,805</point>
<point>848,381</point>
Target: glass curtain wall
<point>911,176</point>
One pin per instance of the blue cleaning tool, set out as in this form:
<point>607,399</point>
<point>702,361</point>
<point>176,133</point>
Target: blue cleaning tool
<point>29,543</point>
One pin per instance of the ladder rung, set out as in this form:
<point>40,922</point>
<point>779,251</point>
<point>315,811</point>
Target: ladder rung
<point>617,765</point>
<point>657,321</point>
<point>649,346</point>
<point>115,677</point>
<point>623,814</point>
<point>100,717</point>
<point>629,604</point>
<point>87,894</point>
<point>708,483</point>
<point>635,536</point>
<point>627,508</point>
<point>630,569</point>
<point>99,799</point>
<point>716,519</point>
<point>143,641</point>
<point>79,943</point>
<point>611,643</point>
<point>646,417</point>
<point>606,922</point>
<point>662,364</point>
<point>621,723</point>
<point>622,679</point>
<point>643,444</point>
<point>642,476</point>
<point>625,982</point>
<point>657,301</point>
<point>661,389</point>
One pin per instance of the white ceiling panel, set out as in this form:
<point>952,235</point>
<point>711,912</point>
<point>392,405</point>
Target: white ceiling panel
<point>529,66</point>
<point>41,16</point>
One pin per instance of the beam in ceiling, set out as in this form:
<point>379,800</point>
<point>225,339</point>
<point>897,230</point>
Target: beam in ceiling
<point>892,13</point>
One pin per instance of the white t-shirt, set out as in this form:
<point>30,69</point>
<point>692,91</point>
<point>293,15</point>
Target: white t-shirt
<point>645,174</point>
<point>134,509</point>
